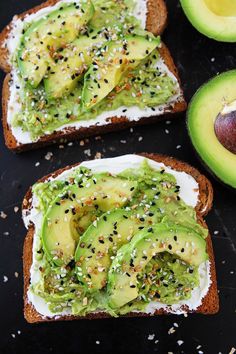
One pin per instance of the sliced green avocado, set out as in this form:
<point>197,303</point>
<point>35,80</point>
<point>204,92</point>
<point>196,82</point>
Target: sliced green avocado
<point>214,18</point>
<point>72,62</point>
<point>44,37</point>
<point>71,213</point>
<point>132,258</point>
<point>100,242</point>
<point>211,99</point>
<point>113,61</point>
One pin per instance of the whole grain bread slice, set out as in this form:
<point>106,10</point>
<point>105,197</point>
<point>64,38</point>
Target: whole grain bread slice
<point>210,303</point>
<point>155,23</point>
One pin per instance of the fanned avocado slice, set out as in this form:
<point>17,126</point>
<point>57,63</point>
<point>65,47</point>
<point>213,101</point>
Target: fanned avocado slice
<point>113,61</point>
<point>73,61</point>
<point>100,242</point>
<point>72,212</point>
<point>132,258</point>
<point>44,37</point>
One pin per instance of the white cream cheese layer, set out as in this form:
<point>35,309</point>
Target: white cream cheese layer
<point>132,113</point>
<point>188,192</point>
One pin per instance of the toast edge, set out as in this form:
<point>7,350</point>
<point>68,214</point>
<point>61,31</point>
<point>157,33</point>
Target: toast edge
<point>210,303</point>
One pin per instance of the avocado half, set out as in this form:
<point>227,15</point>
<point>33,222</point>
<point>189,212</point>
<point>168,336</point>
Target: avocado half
<point>211,121</point>
<point>213,18</point>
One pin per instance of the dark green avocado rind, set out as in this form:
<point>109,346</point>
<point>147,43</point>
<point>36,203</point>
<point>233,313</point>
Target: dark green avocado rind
<point>220,28</point>
<point>203,109</point>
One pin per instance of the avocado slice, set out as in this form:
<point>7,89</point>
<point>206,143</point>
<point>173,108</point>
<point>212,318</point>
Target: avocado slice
<point>113,61</point>
<point>206,105</point>
<point>214,18</point>
<point>132,258</point>
<point>73,211</point>
<point>45,36</point>
<point>72,62</point>
<point>100,242</point>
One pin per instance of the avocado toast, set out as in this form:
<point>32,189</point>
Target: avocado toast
<point>94,70</point>
<point>119,237</point>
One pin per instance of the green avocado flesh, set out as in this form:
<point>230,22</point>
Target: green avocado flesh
<point>47,35</point>
<point>73,211</point>
<point>203,110</point>
<point>115,243</point>
<point>214,18</point>
<point>80,61</point>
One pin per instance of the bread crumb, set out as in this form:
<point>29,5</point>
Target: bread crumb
<point>180,342</point>
<point>216,232</point>
<point>175,325</point>
<point>6,233</point>
<point>140,138</point>
<point>16,209</point>
<point>168,122</point>
<point>123,141</point>
<point>48,156</point>
<point>3,215</point>
<point>213,59</point>
<point>178,147</point>
<point>131,130</point>
<point>37,164</point>
<point>16,274</point>
<point>97,342</point>
<point>87,152</point>
<point>98,155</point>
<point>5,279</point>
<point>98,137</point>
<point>70,143</point>
<point>13,335</point>
<point>151,336</point>
<point>232,351</point>
<point>19,332</point>
<point>171,330</point>
<point>61,146</point>
<point>167,131</point>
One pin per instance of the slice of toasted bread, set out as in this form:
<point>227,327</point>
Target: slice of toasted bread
<point>210,303</point>
<point>155,23</point>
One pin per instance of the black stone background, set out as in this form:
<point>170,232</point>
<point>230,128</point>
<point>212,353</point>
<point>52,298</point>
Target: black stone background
<point>198,58</point>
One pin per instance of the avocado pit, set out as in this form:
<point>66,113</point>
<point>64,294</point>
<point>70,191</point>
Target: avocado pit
<point>225,127</point>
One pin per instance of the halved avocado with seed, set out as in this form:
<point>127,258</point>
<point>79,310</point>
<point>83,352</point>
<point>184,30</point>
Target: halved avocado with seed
<point>213,18</point>
<point>212,125</point>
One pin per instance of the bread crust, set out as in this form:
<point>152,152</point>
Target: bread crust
<point>210,303</point>
<point>156,22</point>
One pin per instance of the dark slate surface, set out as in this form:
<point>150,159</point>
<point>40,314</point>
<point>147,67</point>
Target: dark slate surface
<point>198,59</point>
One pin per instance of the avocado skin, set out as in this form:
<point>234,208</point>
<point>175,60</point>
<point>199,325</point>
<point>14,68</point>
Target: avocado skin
<point>219,28</point>
<point>226,179</point>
